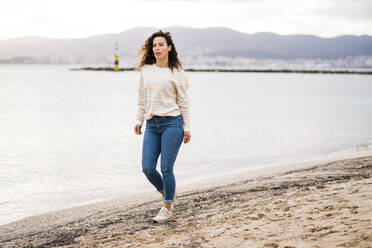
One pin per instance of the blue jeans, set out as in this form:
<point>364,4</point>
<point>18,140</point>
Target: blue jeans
<point>163,135</point>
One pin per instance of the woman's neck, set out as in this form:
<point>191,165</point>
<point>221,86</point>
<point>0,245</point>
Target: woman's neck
<point>162,62</point>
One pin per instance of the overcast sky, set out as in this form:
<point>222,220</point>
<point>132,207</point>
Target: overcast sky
<point>83,18</point>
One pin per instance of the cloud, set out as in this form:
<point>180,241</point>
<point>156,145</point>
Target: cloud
<point>353,10</point>
<point>230,1</point>
<point>41,17</point>
<point>77,19</point>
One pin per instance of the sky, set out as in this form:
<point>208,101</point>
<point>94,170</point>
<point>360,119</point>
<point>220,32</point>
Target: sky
<point>83,18</point>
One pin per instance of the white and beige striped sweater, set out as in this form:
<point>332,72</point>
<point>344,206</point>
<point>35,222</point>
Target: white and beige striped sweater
<point>164,93</point>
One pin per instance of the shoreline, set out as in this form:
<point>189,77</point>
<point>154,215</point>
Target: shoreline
<point>236,70</point>
<point>228,178</point>
<point>130,216</point>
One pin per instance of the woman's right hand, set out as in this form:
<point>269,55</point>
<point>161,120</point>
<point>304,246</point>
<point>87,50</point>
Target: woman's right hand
<point>137,129</point>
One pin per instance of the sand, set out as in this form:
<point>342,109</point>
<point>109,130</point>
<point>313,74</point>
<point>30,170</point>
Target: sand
<point>321,203</point>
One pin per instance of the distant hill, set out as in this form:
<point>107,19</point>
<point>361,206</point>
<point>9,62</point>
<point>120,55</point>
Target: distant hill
<point>190,42</point>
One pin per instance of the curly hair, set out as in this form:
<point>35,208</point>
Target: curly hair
<point>147,55</point>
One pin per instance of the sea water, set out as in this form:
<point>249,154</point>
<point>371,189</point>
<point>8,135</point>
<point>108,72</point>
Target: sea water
<point>67,137</point>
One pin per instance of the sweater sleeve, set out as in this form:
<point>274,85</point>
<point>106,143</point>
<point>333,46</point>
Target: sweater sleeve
<point>183,99</point>
<point>141,103</point>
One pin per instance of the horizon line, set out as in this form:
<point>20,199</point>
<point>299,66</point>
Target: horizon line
<point>172,27</point>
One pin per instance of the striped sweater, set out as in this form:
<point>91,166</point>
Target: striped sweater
<point>164,93</point>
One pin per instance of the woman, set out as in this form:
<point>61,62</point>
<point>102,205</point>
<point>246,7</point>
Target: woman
<point>163,102</point>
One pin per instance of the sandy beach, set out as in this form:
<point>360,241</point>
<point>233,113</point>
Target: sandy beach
<point>319,203</point>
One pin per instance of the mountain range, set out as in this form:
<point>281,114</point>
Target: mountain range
<point>209,43</point>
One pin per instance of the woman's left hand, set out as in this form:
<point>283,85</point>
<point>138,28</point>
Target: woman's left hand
<point>186,137</point>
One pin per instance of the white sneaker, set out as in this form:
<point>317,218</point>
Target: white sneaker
<point>163,214</point>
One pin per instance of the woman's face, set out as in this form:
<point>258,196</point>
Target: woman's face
<point>160,47</point>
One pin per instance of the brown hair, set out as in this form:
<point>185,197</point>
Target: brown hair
<point>147,55</point>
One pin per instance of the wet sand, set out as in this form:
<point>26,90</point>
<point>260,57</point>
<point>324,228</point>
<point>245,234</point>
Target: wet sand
<point>326,203</point>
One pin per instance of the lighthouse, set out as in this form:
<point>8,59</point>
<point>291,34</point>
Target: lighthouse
<point>116,57</point>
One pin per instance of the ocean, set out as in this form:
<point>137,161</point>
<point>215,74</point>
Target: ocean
<point>67,137</point>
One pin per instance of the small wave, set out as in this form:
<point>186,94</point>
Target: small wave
<point>357,148</point>
<point>4,203</point>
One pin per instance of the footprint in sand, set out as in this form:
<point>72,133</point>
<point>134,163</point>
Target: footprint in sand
<point>272,235</point>
<point>329,208</point>
<point>367,236</point>
<point>339,188</point>
<point>320,228</point>
<point>275,245</point>
<point>354,191</point>
<point>329,215</point>
<point>321,186</point>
